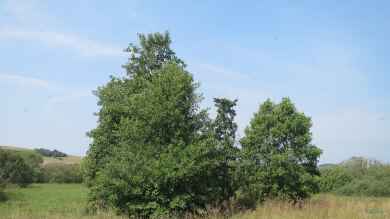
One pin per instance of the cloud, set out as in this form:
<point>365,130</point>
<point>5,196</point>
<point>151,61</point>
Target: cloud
<point>34,14</point>
<point>70,96</point>
<point>24,81</point>
<point>85,47</point>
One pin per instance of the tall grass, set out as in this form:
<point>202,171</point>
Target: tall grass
<point>323,207</point>
<point>46,201</point>
<point>68,201</point>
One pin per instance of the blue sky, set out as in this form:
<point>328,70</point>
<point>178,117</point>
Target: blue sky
<point>330,57</point>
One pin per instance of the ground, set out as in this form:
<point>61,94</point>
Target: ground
<point>60,201</point>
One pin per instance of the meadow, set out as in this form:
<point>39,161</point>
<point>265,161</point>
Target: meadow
<point>60,201</point>
<point>40,201</point>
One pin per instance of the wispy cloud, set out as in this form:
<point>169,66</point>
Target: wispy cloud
<point>30,21</point>
<point>71,96</point>
<point>85,47</point>
<point>24,81</point>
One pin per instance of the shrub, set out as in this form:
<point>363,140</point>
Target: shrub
<point>61,173</point>
<point>375,182</point>
<point>14,169</point>
<point>333,178</point>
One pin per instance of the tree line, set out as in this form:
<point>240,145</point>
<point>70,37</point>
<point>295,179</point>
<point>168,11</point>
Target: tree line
<point>356,177</point>
<point>156,153</point>
<point>50,153</point>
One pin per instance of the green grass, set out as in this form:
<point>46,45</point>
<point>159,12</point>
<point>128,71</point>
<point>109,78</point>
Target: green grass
<point>41,200</point>
<point>48,201</point>
<point>60,201</point>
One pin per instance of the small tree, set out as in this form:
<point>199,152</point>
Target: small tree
<point>224,126</point>
<point>279,160</point>
<point>225,132</point>
<point>154,152</point>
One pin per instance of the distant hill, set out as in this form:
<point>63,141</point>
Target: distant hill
<point>70,159</point>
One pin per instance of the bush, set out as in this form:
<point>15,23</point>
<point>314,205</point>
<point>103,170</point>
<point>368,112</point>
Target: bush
<point>61,173</point>
<point>357,177</point>
<point>14,169</point>
<point>375,182</point>
<point>333,178</point>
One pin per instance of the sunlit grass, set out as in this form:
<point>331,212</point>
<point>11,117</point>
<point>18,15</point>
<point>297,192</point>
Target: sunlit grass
<point>46,201</point>
<point>323,206</point>
<point>60,201</point>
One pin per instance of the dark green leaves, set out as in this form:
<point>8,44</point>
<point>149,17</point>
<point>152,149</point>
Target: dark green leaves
<point>155,153</point>
<point>278,154</point>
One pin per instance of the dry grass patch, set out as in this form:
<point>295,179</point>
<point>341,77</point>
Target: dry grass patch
<point>323,207</point>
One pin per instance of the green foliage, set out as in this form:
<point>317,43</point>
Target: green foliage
<point>117,97</point>
<point>224,126</point>
<point>154,152</point>
<point>224,129</point>
<point>278,159</point>
<point>60,173</point>
<point>333,178</point>
<point>162,163</point>
<point>357,177</point>
<point>153,53</point>
<point>15,169</point>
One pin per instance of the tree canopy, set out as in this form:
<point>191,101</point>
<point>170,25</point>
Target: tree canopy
<point>278,157</point>
<point>156,153</point>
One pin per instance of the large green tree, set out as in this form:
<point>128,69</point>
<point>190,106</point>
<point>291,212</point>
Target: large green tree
<point>153,152</point>
<point>113,98</point>
<point>279,159</point>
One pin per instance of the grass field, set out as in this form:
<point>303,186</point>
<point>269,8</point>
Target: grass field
<point>44,201</point>
<point>60,201</point>
<point>62,160</point>
<point>324,207</point>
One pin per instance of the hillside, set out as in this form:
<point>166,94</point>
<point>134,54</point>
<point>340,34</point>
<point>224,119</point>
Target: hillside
<point>70,159</point>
